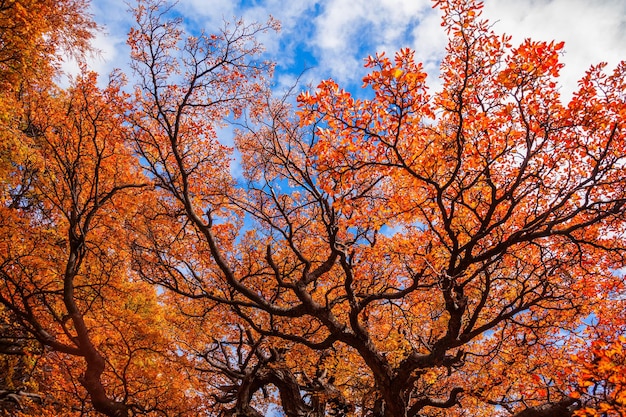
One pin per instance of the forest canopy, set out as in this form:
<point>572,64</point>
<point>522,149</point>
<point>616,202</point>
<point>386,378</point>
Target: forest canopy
<point>393,251</point>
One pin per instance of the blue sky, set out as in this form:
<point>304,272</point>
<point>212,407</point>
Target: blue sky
<point>330,38</point>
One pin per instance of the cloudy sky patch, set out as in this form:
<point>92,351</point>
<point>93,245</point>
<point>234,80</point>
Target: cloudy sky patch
<point>330,38</point>
<point>593,30</point>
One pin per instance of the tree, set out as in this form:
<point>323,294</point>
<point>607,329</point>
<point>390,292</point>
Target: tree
<point>80,334</point>
<point>65,261</point>
<point>403,255</point>
<point>34,36</point>
<point>400,254</point>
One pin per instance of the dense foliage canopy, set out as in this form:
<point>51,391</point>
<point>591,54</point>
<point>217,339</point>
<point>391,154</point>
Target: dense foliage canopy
<point>397,252</point>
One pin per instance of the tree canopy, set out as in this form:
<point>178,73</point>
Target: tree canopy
<point>390,252</point>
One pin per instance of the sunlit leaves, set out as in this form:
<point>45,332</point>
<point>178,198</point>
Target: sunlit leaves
<point>602,381</point>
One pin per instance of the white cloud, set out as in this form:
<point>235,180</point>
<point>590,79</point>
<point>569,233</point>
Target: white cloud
<point>593,30</point>
<point>429,43</point>
<point>109,43</point>
<point>349,30</point>
<point>209,14</point>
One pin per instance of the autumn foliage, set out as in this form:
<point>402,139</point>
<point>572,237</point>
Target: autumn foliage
<point>393,252</point>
